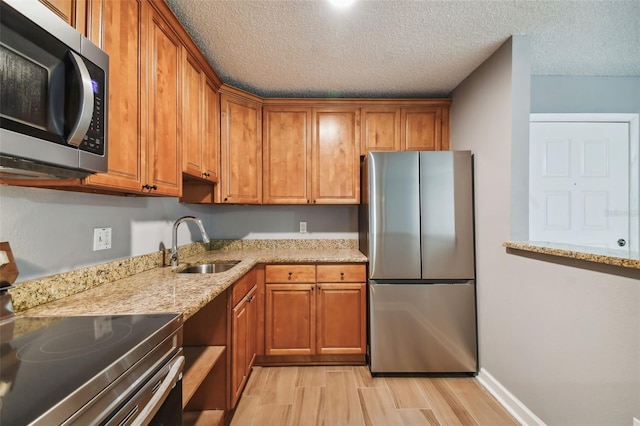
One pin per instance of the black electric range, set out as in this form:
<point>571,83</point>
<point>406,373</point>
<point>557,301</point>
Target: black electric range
<point>58,370</point>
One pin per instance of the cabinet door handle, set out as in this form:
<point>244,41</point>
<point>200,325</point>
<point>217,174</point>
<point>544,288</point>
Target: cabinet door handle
<point>342,276</point>
<point>250,299</point>
<point>290,275</point>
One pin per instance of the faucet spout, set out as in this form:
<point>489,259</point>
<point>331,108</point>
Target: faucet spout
<point>174,242</point>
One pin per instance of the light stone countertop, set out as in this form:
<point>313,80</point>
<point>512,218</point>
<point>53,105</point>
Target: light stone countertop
<point>590,254</point>
<point>162,289</point>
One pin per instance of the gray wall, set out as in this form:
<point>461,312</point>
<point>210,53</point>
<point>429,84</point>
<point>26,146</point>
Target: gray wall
<point>563,336</point>
<point>585,94</point>
<point>52,231</point>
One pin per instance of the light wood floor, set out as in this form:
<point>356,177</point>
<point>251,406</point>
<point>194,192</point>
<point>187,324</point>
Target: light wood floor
<point>341,396</point>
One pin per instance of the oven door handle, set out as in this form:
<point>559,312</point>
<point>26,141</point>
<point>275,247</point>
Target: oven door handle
<point>159,397</point>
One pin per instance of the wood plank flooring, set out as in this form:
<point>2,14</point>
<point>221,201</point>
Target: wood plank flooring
<point>346,396</point>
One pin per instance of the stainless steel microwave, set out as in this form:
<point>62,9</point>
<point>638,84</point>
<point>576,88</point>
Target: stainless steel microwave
<point>53,96</point>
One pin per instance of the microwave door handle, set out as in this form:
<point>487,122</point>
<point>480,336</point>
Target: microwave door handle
<point>81,126</point>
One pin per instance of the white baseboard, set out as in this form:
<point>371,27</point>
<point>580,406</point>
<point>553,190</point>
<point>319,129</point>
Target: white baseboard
<point>512,404</point>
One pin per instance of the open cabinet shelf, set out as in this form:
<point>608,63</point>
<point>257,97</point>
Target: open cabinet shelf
<point>200,360</point>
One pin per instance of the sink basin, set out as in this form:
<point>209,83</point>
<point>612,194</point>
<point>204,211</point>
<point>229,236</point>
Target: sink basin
<point>208,268</point>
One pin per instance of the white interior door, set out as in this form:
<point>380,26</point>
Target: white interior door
<point>579,183</point>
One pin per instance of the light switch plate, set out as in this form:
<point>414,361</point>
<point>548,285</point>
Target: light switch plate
<point>303,227</point>
<point>101,238</point>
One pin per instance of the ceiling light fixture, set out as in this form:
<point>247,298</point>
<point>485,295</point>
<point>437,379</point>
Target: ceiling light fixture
<point>342,3</point>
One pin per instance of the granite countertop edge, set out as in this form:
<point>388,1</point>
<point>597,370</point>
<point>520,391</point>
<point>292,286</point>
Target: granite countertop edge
<point>162,289</point>
<point>576,252</point>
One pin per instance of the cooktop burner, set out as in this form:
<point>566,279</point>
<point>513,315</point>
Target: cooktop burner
<point>43,360</point>
<point>74,342</point>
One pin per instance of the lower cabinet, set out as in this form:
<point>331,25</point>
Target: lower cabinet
<point>315,310</point>
<point>244,316</point>
<point>204,382</point>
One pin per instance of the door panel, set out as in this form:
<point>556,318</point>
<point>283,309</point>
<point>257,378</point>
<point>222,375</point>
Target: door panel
<point>394,215</point>
<point>579,183</point>
<point>427,328</point>
<point>446,196</point>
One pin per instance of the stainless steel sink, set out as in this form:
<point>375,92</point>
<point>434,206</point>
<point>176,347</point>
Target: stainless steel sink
<point>208,268</point>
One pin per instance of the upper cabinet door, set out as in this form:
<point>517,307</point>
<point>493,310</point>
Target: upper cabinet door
<point>380,129</point>
<point>240,150</point>
<point>116,29</point>
<point>192,117</point>
<point>164,167</point>
<point>422,129</point>
<point>336,155</point>
<point>287,155</point>
<point>73,12</point>
<point>211,137</point>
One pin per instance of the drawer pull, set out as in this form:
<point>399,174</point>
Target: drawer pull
<point>342,276</point>
<point>290,275</point>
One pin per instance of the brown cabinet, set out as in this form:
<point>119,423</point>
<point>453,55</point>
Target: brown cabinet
<point>211,142</point>
<point>192,116</point>
<point>311,155</point>
<point>199,122</point>
<point>410,128</point>
<point>421,129</point>
<point>336,155</point>
<point>243,333</point>
<point>163,160</point>
<point>241,148</point>
<point>380,129</point>
<point>341,309</point>
<point>308,318</point>
<point>287,155</point>
<point>116,28</point>
<point>205,392</point>
<point>73,12</point>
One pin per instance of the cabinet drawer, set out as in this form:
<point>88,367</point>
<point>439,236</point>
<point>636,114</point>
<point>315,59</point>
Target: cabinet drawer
<point>290,274</point>
<point>242,287</point>
<point>342,273</point>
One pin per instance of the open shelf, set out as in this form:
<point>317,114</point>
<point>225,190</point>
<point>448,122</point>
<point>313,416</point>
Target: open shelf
<point>203,418</point>
<point>200,360</point>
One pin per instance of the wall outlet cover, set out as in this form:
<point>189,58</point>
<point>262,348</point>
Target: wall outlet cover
<point>303,227</point>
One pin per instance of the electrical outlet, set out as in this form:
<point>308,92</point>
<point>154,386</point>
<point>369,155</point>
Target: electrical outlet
<point>303,227</point>
<point>101,238</point>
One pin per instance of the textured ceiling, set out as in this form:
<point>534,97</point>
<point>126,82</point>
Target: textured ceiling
<point>403,48</point>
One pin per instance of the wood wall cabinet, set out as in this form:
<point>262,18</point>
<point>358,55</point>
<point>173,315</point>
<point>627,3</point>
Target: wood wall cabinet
<point>421,129</point>
<point>287,155</point>
<point>380,129</point>
<point>116,28</point>
<point>244,323</point>
<point>311,155</point>
<point>200,118</point>
<point>409,128</point>
<point>336,155</point>
<point>163,161</point>
<point>305,317</point>
<point>241,148</point>
<point>73,12</point>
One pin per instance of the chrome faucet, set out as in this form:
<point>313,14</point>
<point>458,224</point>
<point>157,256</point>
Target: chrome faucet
<point>174,244</point>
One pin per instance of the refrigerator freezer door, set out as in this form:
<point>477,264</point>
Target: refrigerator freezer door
<point>446,193</point>
<point>423,328</point>
<point>394,215</point>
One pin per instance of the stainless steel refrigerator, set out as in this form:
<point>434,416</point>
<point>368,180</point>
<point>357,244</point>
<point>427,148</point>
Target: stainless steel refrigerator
<point>416,227</point>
